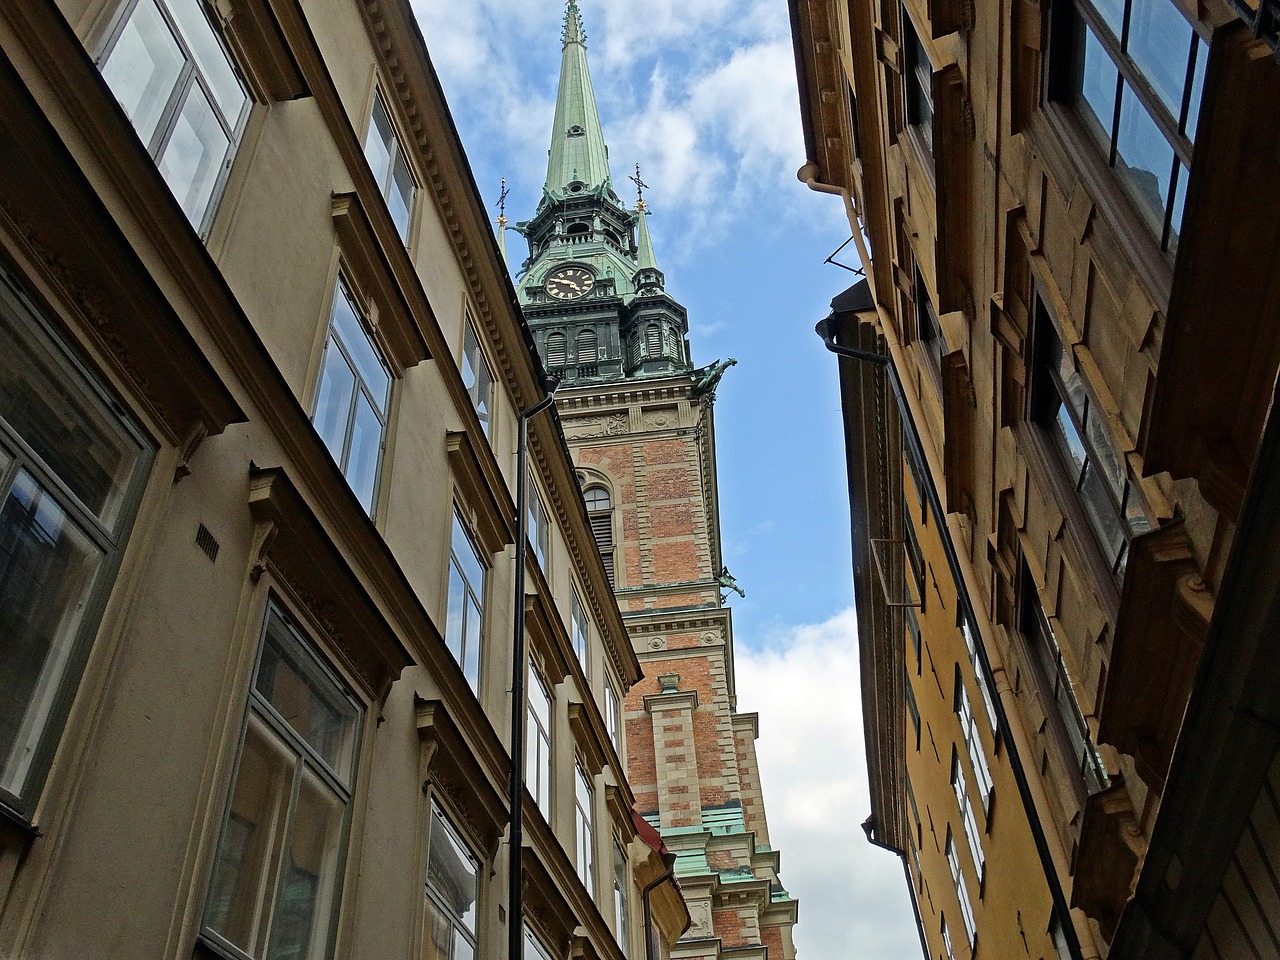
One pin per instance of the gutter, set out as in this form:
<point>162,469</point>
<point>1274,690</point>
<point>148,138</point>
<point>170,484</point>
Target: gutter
<point>869,828</point>
<point>825,330</point>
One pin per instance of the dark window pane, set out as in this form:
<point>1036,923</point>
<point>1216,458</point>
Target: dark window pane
<point>1098,88</point>
<point>1144,158</point>
<point>1197,91</point>
<point>1159,43</point>
<point>47,568</point>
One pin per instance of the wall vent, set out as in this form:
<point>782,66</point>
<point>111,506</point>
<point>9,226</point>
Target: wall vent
<point>206,542</point>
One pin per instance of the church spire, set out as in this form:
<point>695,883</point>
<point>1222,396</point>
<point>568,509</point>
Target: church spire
<point>578,152</point>
<point>648,278</point>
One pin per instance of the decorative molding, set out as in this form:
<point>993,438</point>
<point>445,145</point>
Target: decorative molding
<point>494,511</point>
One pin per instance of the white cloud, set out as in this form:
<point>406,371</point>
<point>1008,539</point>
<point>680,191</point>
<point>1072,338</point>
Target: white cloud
<point>853,896</point>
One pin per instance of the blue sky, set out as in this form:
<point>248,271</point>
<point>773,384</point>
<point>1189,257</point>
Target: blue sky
<point>703,96</point>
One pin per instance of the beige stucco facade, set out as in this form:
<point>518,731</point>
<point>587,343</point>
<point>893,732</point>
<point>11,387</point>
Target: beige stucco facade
<point>1066,336</point>
<point>261,601</point>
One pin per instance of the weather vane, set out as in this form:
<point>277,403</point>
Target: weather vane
<point>640,188</point>
<point>502,204</point>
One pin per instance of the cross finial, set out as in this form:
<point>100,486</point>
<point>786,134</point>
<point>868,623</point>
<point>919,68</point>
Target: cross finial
<point>502,204</point>
<point>640,188</point>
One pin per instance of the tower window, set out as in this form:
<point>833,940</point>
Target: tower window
<point>653,341</point>
<point>556,350</point>
<point>586,346</point>
<point>600,515</point>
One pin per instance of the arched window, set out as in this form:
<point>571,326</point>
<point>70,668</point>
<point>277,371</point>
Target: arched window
<point>586,345</point>
<point>653,341</point>
<point>555,350</point>
<point>600,514</point>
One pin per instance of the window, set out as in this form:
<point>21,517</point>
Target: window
<point>537,750</point>
<point>977,754</point>
<point>916,836</point>
<point>621,899</point>
<point>539,527</point>
<point>967,818</point>
<point>946,941</point>
<point>390,168</point>
<point>586,346</point>
<point>533,948</point>
<point>653,341</point>
<point>464,614</point>
<point>579,631</point>
<point>452,889</point>
<point>71,470</point>
<point>912,710</point>
<point>979,671</point>
<point>929,331</point>
<point>1068,730</point>
<point>600,515</point>
<point>613,715</point>
<point>671,344</point>
<point>585,828</point>
<point>1062,407</point>
<point>477,378</point>
<point>915,559</point>
<point>556,350</point>
<point>170,72</point>
<point>962,892</point>
<point>351,404</point>
<point>918,82</point>
<point>1132,72</point>
<point>277,875</point>
<point>913,631</point>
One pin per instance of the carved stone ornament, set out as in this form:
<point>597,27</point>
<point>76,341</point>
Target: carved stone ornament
<point>700,919</point>
<point>612,425</point>
<point>657,643</point>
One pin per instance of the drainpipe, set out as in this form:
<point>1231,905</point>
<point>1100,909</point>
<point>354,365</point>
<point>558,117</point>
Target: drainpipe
<point>515,780</point>
<point>869,828</point>
<point>650,948</point>
<point>825,330</point>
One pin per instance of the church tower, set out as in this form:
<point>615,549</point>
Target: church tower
<point>638,417</point>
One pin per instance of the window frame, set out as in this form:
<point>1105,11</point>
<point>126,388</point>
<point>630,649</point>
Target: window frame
<point>541,761</point>
<point>919,111</point>
<point>1124,515</point>
<point>600,519</point>
<point>344,290</point>
<point>968,822</point>
<point>973,744</point>
<point>961,888</point>
<point>613,715</point>
<point>386,179</point>
<point>539,528</point>
<point>1070,23</point>
<point>1077,752</point>
<point>461,654</point>
<point>584,817</point>
<point>307,758</point>
<point>435,898</point>
<point>111,539</point>
<point>477,376</point>
<point>579,630</point>
<point>190,76</point>
<point>621,898</point>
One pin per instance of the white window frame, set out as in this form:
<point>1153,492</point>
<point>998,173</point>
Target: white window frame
<point>265,722</point>
<point>967,818</point>
<point>349,351</point>
<point>973,744</point>
<point>621,898</point>
<point>539,527</point>
<point>477,376</point>
<point>613,715</point>
<point>538,756</point>
<point>584,816</point>
<point>207,74</point>
<point>437,899</point>
<point>53,508</point>
<point>384,167</point>
<point>962,891</point>
<point>579,630</point>
<point>465,639</point>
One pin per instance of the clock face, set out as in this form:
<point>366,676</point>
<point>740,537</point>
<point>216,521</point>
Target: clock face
<point>569,283</point>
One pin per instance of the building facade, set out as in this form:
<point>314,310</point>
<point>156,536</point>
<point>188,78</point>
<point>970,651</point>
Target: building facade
<point>638,418</point>
<point>261,368</point>
<point>1057,376</point>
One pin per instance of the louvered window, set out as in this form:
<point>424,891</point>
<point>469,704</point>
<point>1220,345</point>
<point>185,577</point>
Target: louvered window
<point>586,344</point>
<point>555,350</point>
<point>600,513</point>
<point>653,341</point>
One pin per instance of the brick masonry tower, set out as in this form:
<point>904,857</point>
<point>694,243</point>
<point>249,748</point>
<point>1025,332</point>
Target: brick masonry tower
<point>639,420</point>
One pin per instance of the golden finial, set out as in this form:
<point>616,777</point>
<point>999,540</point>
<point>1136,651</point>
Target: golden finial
<point>502,205</point>
<point>640,186</point>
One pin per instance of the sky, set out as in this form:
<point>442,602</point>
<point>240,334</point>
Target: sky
<point>703,96</point>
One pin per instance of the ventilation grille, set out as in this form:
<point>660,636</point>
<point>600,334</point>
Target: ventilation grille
<point>207,542</point>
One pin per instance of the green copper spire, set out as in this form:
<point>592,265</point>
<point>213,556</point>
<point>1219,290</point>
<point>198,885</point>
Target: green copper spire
<point>577,150</point>
<point>645,260</point>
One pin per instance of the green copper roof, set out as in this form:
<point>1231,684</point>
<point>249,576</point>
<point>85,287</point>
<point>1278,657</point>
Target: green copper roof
<point>578,152</point>
<point>644,245</point>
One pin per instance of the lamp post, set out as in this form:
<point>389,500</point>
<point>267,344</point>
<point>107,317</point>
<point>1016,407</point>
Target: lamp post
<point>515,782</point>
